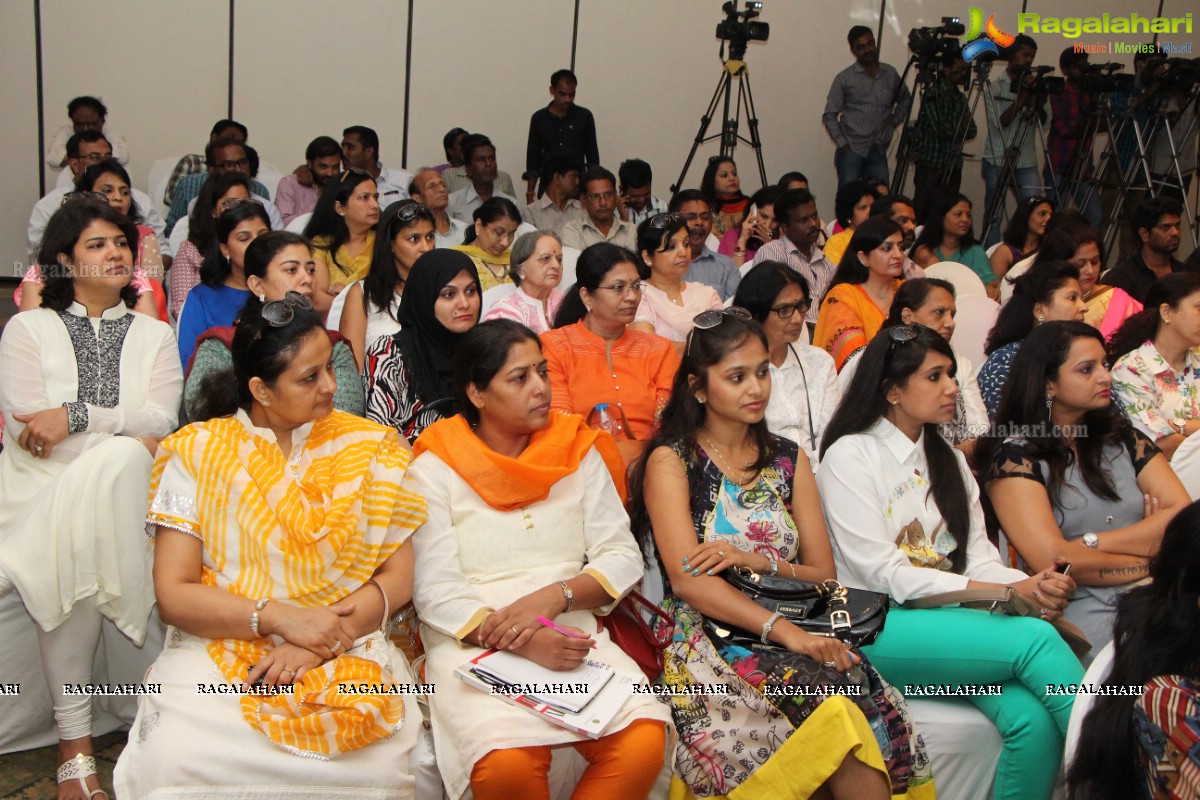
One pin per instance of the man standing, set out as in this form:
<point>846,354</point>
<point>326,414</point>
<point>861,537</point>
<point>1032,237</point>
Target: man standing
<point>220,156</point>
<point>429,188</point>
<point>943,124</point>
<point>479,156</point>
<point>323,157</point>
<point>1069,143</point>
<point>707,267</point>
<point>1011,113</point>
<point>602,223</point>
<point>637,201</point>
<point>865,104</point>
<point>86,114</point>
<point>558,204</point>
<point>560,129</point>
<point>1158,225</point>
<point>799,228</point>
<point>452,145</point>
<point>360,150</point>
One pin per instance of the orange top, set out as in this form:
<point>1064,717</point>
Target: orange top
<point>638,381</point>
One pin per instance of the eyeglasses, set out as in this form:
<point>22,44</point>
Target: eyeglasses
<point>666,220</point>
<point>621,288</point>
<point>707,320</point>
<point>692,216</point>
<point>788,309</point>
<point>230,203</point>
<point>71,197</point>
<point>235,164</point>
<point>278,313</point>
<point>94,158</point>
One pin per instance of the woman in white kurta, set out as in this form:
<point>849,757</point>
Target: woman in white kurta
<point>87,388</point>
<point>519,499</point>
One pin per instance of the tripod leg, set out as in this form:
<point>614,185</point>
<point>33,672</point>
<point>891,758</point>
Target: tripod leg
<point>701,138</point>
<point>752,123</point>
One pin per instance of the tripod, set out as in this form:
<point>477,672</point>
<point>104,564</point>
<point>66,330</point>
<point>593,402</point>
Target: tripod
<point>733,69</point>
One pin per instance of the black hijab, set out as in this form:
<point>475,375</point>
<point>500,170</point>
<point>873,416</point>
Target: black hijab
<point>426,345</point>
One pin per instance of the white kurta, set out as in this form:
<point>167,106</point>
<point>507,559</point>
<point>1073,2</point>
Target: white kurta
<point>471,557</point>
<point>71,524</point>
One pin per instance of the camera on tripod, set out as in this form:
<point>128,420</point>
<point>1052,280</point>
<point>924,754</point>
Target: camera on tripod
<point>930,44</point>
<point>739,27</point>
<point>1180,73</point>
<point>1043,82</point>
<point>1102,78</point>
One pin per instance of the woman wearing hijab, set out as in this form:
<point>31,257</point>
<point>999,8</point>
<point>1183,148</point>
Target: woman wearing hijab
<point>409,376</point>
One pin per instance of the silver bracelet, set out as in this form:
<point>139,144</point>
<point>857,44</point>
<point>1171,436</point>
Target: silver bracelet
<point>259,606</point>
<point>768,625</point>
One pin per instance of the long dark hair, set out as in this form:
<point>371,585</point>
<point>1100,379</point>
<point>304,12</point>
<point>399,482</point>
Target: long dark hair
<point>326,222</point>
<point>766,196</point>
<point>379,287</point>
<point>708,183</point>
<point>62,234</point>
<point>1143,326</point>
<point>653,239</point>
<point>595,262</point>
<point>935,223</point>
<point>260,350</point>
<point>912,295</point>
<point>1036,286</point>
<point>216,266</point>
<point>481,354</point>
<point>1018,227</point>
<point>885,364</point>
<point>493,209</point>
<point>202,223</point>
<point>763,284</point>
<point>1154,634</point>
<point>110,166</point>
<point>684,414</point>
<point>1023,407</point>
<point>867,237</point>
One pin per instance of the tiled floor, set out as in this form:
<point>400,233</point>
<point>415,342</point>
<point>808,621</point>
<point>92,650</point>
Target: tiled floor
<point>29,775</point>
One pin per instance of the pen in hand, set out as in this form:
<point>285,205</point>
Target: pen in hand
<point>555,626</point>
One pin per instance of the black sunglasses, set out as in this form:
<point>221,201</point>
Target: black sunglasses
<point>278,313</point>
<point>707,320</point>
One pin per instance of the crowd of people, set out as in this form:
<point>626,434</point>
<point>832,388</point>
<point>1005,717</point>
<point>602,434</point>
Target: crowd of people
<point>428,400</point>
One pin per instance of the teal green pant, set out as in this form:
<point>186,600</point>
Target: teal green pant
<point>960,646</point>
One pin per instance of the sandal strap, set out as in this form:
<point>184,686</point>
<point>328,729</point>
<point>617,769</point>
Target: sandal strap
<point>77,768</point>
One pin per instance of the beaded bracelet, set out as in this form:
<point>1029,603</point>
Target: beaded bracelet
<point>768,625</point>
<point>259,606</point>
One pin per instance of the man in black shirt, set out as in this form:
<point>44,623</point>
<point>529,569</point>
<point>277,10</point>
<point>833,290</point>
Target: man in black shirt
<point>560,129</point>
<point>1157,224</point>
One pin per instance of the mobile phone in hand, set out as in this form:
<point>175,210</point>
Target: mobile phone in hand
<point>1063,568</point>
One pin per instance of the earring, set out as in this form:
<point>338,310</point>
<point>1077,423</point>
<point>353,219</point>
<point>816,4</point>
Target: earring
<point>1041,319</point>
<point>262,298</point>
<point>699,399</point>
<point>1049,402</point>
<point>589,308</point>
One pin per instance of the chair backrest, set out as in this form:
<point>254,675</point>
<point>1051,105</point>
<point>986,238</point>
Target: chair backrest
<point>179,234</point>
<point>975,318</point>
<point>335,310</point>
<point>494,295</point>
<point>269,176</point>
<point>156,184</point>
<point>570,258</point>
<point>1096,675</point>
<point>712,242</point>
<point>1015,271</point>
<point>1186,463</point>
<point>297,224</point>
<point>966,282</point>
<point>993,249</point>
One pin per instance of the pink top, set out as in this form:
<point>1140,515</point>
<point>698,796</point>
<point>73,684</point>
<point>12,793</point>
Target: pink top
<point>669,320</point>
<point>729,243</point>
<point>527,310</point>
<point>185,273</point>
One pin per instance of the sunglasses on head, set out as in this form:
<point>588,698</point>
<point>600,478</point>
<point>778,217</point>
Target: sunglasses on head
<point>71,197</point>
<point>667,219</point>
<point>278,313</point>
<point>409,212</point>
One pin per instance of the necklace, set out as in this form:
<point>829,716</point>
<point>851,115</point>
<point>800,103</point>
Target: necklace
<point>725,465</point>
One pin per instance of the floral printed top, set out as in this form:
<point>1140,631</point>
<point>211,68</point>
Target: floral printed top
<point>1154,395</point>
<point>994,374</point>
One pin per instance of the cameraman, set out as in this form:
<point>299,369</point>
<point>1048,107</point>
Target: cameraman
<point>1069,141</point>
<point>1011,112</point>
<point>938,132</point>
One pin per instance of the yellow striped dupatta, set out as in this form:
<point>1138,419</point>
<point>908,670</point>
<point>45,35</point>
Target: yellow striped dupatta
<point>308,538</point>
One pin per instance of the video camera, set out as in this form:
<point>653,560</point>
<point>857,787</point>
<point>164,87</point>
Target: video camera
<point>1099,78</point>
<point>1042,83</point>
<point>1180,73</point>
<point>929,44</point>
<point>739,27</point>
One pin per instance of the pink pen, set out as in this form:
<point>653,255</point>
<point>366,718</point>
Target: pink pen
<point>555,626</point>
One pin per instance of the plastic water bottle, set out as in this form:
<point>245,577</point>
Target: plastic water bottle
<point>610,418</point>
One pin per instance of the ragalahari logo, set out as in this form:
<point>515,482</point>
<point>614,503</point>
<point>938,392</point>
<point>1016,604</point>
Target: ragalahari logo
<point>986,38</point>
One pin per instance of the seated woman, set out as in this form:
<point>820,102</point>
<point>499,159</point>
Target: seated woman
<point>277,264</point>
<point>717,490</point>
<point>222,292</point>
<point>408,377</point>
<point>803,378</point>
<point>860,295</point>
<point>668,303</point>
<point>342,232</point>
<point>218,194</point>
<point>1089,490</point>
<point>595,356</point>
<point>88,390</point>
<point>905,518</point>
<point>1145,747</point>
<point>1048,292</point>
<point>1156,371</point>
<point>851,207</point>
<point>280,543</point>
<point>536,269</point>
<point>720,182</point>
<point>405,234</point>
<point>488,240</point>
<point>930,302</point>
<point>947,237</point>
<point>759,227</point>
<point>505,469</point>
<point>1024,233</point>
<point>107,180</point>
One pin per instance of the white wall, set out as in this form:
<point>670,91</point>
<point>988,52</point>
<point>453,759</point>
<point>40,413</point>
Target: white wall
<point>304,68</point>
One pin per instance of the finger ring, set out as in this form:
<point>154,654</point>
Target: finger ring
<point>1045,611</point>
<point>830,663</point>
<point>38,448</point>
<point>514,630</point>
<point>334,647</point>
<point>721,553</point>
<point>287,672</point>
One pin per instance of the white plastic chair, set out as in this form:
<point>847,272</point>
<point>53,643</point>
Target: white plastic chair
<point>975,318</point>
<point>1096,674</point>
<point>269,176</point>
<point>1015,271</point>
<point>179,234</point>
<point>335,310</point>
<point>993,249</point>
<point>495,295</point>
<point>966,282</point>
<point>1186,463</point>
<point>298,224</point>
<point>570,258</point>
<point>156,184</point>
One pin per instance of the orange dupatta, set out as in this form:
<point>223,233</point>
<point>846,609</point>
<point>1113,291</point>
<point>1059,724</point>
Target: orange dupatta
<point>848,321</point>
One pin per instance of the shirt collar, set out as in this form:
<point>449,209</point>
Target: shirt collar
<point>1158,365</point>
<point>116,312</point>
<point>903,449</point>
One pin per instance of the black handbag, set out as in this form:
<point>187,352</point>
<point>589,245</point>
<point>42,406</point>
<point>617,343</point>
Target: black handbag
<point>855,616</point>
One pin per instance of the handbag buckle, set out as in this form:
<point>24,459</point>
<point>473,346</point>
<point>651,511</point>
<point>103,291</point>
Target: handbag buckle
<point>840,620</point>
<point>749,574</point>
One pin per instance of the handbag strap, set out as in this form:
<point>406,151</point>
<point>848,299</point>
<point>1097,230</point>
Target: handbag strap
<point>636,602</point>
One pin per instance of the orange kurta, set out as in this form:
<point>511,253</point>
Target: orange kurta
<point>848,320</point>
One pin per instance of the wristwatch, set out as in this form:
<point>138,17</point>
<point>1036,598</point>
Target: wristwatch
<point>1091,540</point>
<point>1181,425</point>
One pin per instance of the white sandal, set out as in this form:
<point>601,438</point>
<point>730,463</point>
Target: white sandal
<point>79,768</point>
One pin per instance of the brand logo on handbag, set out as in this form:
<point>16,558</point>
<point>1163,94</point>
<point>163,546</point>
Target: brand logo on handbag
<point>793,612</point>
